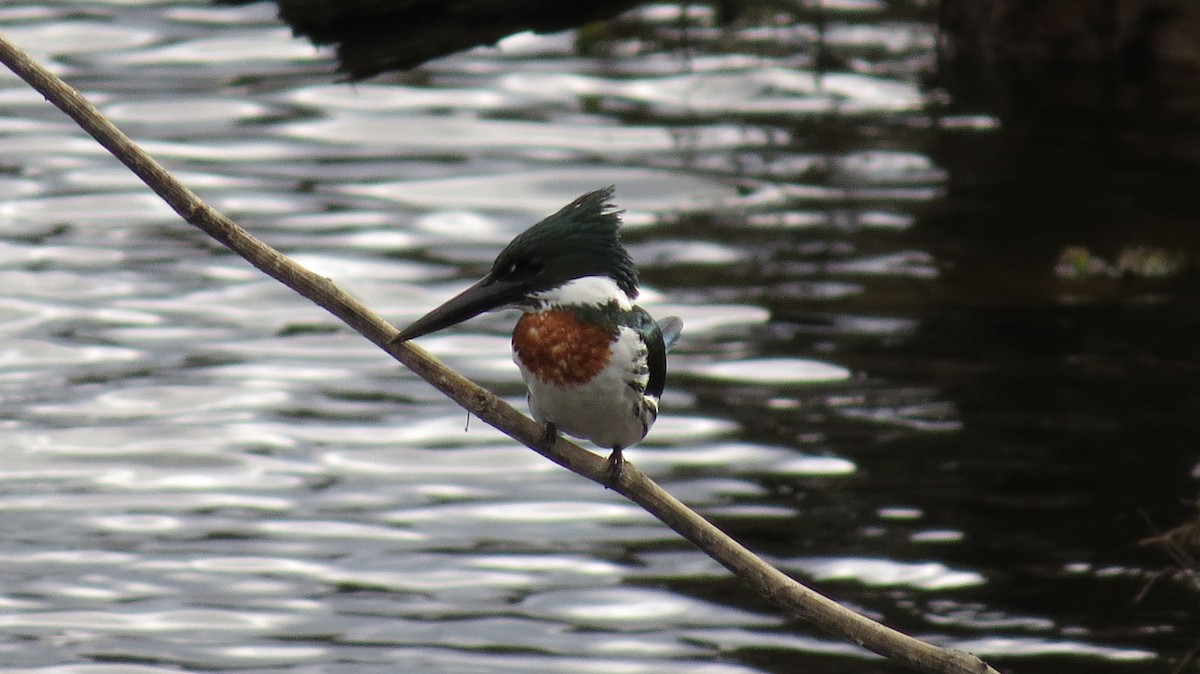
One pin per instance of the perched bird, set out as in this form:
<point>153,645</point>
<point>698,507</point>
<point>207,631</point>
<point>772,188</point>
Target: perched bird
<point>593,362</point>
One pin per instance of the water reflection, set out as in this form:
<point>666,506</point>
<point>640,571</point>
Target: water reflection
<point>882,384</point>
<point>542,190</point>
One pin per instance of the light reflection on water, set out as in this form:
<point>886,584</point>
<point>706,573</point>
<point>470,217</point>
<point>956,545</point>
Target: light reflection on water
<point>202,471</point>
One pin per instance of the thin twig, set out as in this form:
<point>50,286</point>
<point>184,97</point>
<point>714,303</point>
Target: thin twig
<point>768,581</point>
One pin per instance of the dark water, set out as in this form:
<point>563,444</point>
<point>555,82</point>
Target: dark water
<point>887,385</point>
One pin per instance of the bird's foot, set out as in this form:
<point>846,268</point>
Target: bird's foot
<point>616,463</point>
<point>549,436</point>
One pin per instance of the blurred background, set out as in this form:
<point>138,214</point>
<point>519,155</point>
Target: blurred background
<point>938,362</point>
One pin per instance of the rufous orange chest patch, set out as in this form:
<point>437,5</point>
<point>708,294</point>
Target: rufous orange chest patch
<point>560,349</point>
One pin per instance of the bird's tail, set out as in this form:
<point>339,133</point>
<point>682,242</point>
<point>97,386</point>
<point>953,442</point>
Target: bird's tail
<point>671,327</point>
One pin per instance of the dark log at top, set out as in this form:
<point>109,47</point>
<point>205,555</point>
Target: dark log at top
<point>374,36</point>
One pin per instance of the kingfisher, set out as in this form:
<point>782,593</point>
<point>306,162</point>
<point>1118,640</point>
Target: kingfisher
<point>594,363</point>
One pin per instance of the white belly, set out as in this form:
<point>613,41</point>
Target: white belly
<point>606,410</point>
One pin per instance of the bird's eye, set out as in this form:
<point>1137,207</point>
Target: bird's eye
<point>521,269</point>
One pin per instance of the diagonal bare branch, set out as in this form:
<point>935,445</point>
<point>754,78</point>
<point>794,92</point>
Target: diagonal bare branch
<point>761,576</point>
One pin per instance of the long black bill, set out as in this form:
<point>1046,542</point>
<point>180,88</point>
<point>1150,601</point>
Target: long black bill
<point>485,295</point>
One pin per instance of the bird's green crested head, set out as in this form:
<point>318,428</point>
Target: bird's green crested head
<point>582,239</point>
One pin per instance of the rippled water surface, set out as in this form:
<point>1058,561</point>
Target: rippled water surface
<point>882,385</point>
